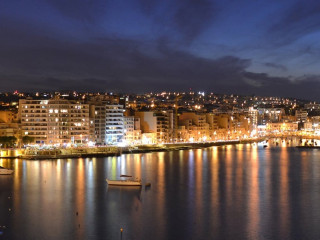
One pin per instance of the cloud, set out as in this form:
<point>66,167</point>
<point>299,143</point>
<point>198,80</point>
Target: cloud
<point>33,61</point>
<point>188,18</point>
<point>194,16</point>
<point>299,20</point>
<point>305,87</point>
<point>83,10</point>
<point>276,66</point>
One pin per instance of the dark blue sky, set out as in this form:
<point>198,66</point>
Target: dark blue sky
<point>224,46</point>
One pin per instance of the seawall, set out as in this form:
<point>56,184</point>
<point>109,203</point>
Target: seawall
<point>59,153</point>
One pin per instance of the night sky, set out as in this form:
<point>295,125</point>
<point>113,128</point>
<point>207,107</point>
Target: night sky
<point>267,47</point>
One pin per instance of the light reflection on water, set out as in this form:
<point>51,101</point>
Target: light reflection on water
<point>229,192</point>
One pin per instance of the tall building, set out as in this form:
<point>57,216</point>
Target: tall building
<point>99,124</point>
<point>114,124</point>
<point>55,121</point>
<point>108,121</point>
<point>132,132</point>
<point>253,117</point>
<point>155,122</point>
<point>196,124</point>
<point>301,115</point>
<point>9,125</point>
<point>8,117</point>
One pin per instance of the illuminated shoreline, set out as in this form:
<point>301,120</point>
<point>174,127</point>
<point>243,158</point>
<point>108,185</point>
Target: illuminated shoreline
<point>114,151</point>
<point>84,152</point>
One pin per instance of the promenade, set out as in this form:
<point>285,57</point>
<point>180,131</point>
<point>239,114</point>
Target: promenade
<point>56,153</point>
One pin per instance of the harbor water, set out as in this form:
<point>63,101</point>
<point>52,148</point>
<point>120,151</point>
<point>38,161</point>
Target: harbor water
<point>244,191</point>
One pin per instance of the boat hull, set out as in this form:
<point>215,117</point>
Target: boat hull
<point>5,171</point>
<point>123,182</point>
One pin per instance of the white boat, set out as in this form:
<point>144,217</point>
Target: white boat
<point>5,171</point>
<point>128,182</point>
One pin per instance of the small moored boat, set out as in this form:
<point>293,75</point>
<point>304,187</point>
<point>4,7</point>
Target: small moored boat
<point>5,171</point>
<point>128,182</point>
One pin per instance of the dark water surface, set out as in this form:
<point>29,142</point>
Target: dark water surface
<point>231,192</point>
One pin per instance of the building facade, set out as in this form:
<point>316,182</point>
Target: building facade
<point>55,121</point>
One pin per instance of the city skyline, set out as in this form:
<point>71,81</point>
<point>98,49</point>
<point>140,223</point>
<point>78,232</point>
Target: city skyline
<point>262,48</point>
<point>154,118</point>
<point>170,119</point>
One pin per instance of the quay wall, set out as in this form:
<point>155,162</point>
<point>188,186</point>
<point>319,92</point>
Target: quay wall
<point>38,154</point>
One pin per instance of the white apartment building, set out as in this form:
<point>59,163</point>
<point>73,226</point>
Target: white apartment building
<point>109,126</point>
<point>55,121</point>
<point>132,134</point>
<point>114,124</point>
<point>253,117</point>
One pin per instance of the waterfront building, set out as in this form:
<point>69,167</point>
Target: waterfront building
<point>9,126</point>
<point>315,121</point>
<point>224,121</point>
<point>55,121</point>
<point>253,117</point>
<point>149,138</point>
<point>308,127</point>
<point>99,124</point>
<point>155,122</point>
<point>114,123</point>
<point>8,116</point>
<point>301,115</point>
<point>282,127</point>
<point>196,124</point>
<point>132,132</point>
<point>10,130</point>
<point>108,123</point>
<point>183,134</point>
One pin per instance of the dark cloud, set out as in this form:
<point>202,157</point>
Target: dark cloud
<point>194,16</point>
<point>299,20</point>
<point>305,87</point>
<point>189,18</point>
<point>276,66</point>
<point>84,10</point>
<point>111,64</point>
<point>148,6</point>
<point>35,59</point>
